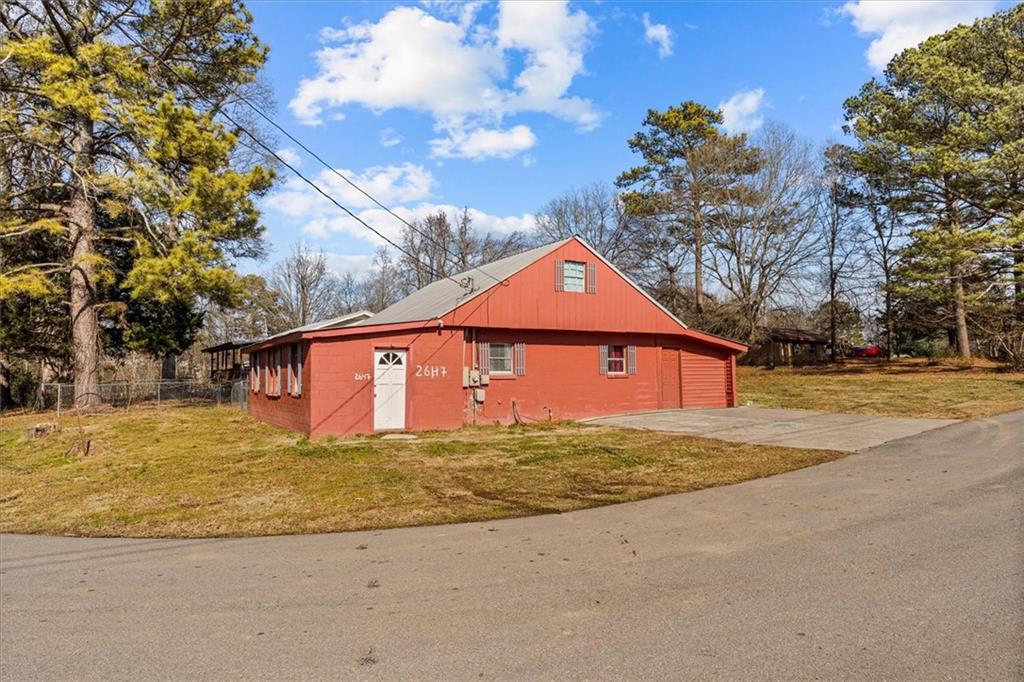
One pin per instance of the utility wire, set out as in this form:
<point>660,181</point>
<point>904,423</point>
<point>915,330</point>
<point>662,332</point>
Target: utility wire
<point>312,153</point>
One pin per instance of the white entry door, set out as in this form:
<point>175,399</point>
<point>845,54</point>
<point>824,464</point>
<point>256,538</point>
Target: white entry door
<point>388,389</point>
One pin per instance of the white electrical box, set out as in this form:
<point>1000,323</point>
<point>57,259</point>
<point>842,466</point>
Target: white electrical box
<point>478,394</point>
<point>485,379</point>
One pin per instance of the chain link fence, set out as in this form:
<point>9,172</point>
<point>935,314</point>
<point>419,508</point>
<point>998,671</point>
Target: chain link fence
<point>125,394</point>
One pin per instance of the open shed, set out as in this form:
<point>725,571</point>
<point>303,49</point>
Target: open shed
<point>790,347</point>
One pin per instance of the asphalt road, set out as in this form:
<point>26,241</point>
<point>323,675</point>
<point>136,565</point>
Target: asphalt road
<point>901,562</point>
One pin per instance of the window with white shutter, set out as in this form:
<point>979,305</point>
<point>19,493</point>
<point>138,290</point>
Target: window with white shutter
<point>298,369</point>
<point>559,275</point>
<point>630,359</point>
<point>602,360</point>
<point>591,278</point>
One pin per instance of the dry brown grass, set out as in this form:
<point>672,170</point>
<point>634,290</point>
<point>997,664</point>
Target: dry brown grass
<point>904,388</point>
<point>204,471</point>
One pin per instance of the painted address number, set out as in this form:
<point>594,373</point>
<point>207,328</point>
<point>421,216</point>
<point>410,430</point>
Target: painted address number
<point>431,371</point>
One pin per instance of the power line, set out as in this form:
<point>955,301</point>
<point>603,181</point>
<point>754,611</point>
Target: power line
<point>332,169</point>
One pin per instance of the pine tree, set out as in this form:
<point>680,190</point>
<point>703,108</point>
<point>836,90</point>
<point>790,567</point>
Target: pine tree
<point>688,167</point>
<point>944,126</point>
<point>110,134</point>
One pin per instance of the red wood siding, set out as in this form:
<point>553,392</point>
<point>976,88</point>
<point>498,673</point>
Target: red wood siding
<point>529,301</point>
<point>562,378</point>
<point>705,376</point>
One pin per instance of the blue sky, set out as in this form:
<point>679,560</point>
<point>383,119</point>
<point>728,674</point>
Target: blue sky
<point>502,106</point>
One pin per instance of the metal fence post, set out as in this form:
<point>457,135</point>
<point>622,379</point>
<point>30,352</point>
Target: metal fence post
<point>58,400</point>
<point>158,394</point>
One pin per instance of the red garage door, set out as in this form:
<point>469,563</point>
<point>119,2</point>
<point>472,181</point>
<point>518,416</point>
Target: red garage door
<point>670,398</point>
<point>705,378</point>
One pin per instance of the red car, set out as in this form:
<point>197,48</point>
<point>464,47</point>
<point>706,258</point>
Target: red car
<point>869,351</point>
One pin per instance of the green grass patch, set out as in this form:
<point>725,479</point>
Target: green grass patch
<point>201,472</point>
<point>901,388</point>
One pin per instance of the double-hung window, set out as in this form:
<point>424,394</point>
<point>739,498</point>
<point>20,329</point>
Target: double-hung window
<point>616,359</point>
<point>573,275</point>
<point>499,358</point>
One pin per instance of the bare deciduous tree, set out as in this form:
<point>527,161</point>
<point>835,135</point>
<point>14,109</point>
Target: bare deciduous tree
<point>307,290</point>
<point>596,214</point>
<point>765,235</point>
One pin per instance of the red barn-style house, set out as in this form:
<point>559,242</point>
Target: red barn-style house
<point>556,332</point>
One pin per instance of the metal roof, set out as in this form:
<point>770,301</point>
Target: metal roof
<point>798,335</point>
<point>441,297</point>
<point>347,320</point>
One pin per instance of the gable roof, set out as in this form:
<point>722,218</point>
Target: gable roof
<point>445,295</point>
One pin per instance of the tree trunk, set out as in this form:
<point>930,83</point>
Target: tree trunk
<point>698,267</point>
<point>963,341</point>
<point>85,331</point>
<point>832,311</point>
<point>890,328</point>
<point>169,367</point>
<point>1018,283</point>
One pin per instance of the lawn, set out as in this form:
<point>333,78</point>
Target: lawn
<point>212,471</point>
<point>904,388</point>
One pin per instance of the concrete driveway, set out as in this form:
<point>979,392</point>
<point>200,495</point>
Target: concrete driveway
<point>795,428</point>
<point>901,562</point>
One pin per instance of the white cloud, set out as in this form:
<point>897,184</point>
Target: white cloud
<point>483,143</point>
<point>658,34</point>
<point>900,24</point>
<point>741,112</point>
<point>389,137</point>
<point>290,156</point>
<point>405,188</point>
<point>458,70</point>
<point>324,225</point>
<point>355,264</point>
<point>390,184</point>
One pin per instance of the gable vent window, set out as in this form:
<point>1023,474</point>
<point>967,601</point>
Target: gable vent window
<point>573,276</point>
